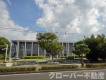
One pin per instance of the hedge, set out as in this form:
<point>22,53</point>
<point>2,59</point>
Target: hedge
<point>96,65</point>
<point>34,57</point>
<point>18,63</point>
<point>58,67</point>
<point>37,68</point>
<point>17,69</point>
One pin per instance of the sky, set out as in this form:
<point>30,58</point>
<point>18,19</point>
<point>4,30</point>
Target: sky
<point>70,19</point>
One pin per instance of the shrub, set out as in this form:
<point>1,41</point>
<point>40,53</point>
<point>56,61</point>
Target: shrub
<point>60,60</point>
<point>36,68</point>
<point>70,58</point>
<point>58,67</point>
<point>34,57</point>
<point>22,62</point>
<point>17,69</point>
<point>2,56</point>
<point>96,65</point>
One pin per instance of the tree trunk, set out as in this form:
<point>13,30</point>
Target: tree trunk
<point>82,61</point>
<point>52,57</point>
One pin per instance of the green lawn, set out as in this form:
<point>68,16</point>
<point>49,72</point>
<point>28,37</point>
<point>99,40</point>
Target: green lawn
<point>37,60</point>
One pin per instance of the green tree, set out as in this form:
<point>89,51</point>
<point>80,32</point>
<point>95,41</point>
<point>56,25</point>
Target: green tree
<point>81,50</point>
<point>56,48</point>
<point>49,42</point>
<point>101,48</point>
<point>92,44</point>
<point>103,52</point>
<point>3,43</point>
<point>97,46</point>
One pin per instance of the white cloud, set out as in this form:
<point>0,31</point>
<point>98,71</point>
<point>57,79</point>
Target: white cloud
<point>7,22</point>
<point>83,17</point>
<point>9,2</point>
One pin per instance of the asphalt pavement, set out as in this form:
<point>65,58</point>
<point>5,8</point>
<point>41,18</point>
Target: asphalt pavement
<point>61,75</point>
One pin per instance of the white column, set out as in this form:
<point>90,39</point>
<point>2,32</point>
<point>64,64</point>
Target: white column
<point>10,52</point>
<point>73,46</point>
<point>32,49</point>
<point>6,52</point>
<point>57,56</point>
<point>68,46</point>
<point>25,49</point>
<point>38,49</point>
<point>45,53</point>
<point>63,49</point>
<point>17,54</point>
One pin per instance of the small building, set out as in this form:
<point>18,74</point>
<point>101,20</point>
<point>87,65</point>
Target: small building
<point>22,48</point>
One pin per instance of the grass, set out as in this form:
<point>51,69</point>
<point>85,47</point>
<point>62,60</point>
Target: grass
<point>37,60</point>
<point>1,61</point>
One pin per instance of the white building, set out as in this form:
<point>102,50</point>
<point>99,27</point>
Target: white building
<point>22,48</point>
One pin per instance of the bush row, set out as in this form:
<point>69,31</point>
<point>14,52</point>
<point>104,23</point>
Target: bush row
<point>47,67</point>
<point>58,67</point>
<point>37,68</point>
<point>34,57</point>
<point>17,69</point>
<point>33,62</point>
<point>19,63</point>
<point>96,65</point>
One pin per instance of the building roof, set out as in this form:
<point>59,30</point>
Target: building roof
<point>36,41</point>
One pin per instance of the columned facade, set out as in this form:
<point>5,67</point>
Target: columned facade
<point>22,48</point>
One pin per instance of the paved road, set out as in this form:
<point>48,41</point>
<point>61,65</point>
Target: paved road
<point>62,75</point>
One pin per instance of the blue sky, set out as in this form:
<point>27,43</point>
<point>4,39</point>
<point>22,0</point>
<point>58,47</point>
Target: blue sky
<point>81,17</point>
<point>25,13</point>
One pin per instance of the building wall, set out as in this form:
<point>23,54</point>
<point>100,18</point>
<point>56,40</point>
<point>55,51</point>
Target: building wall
<point>21,48</point>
